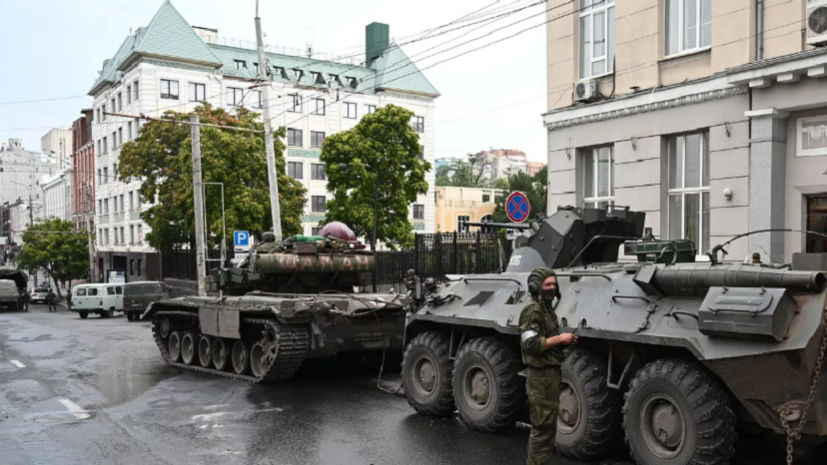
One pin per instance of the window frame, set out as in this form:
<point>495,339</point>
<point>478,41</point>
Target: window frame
<point>318,111</point>
<point>314,172</point>
<point>371,109</point>
<point>418,123</point>
<point>192,88</point>
<point>418,211</point>
<point>313,200</point>
<point>313,142</point>
<point>295,104</point>
<point>291,137</point>
<point>294,165</point>
<point>232,100</point>
<point>258,100</point>
<point>591,12</point>
<point>169,95</point>
<point>683,192</point>
<point>347,113</point>
<point>681,49</point>
<point>595,199</point>
<point>463,219</point>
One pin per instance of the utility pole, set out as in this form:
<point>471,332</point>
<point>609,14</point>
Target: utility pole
<point>275,208</point>
<point>198,198</point>
<point>88,215</point>
<point>31,223</point>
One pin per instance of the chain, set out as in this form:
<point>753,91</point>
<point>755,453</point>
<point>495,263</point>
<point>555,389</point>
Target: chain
<point>795,434</point>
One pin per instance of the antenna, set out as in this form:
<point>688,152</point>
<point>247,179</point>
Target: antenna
<point>309,50</point>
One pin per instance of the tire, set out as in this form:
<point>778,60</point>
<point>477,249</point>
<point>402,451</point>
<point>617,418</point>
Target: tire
<point>174,346</point>
<point>205,351</point>
<point>427,375</point>
<point>258,360</point>
<point>110,313</point>
<point>589,420</point>
<point>220,354</point>
<point>189,349</point>
<point>487,389</point>
<point>697,421</point>
<point>83,314</point>
<point>240,358</point>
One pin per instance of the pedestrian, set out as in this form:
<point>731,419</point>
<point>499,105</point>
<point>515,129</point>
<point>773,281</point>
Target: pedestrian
<point>27,297</point>
<point>69,299</point>
<point>51,299</point>
<point>542,349</point>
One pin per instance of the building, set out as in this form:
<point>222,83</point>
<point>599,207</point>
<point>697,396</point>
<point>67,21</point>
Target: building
<point>20,174</point>
<point>83,164</point>
<point>171,65</point>
<point>534,167</point>
<point>58,141</point>
<point>712,123</point>
<point>510,161</point>
<point>57,195</point>
<point>455,205</point>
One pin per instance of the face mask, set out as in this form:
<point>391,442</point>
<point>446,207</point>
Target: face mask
<point>549,293</point>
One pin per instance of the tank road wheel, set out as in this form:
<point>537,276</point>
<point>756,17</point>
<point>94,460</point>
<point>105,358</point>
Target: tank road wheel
<point>174,346</point>
<point>165,328</point>
<point>589,416</point>
<point>487,390</point>
<point>220,354</point>
<point>205,351</point>
<point>426,374</point>
<point>240,358</point>
<point>83,314</point>
<point>676,413</point>
<point>259,360</point>
<point>188,348</point>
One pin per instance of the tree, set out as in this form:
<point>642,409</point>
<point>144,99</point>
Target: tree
<point>162,157</point>
<point>535,188</point>
<point>477,171</point>
<point>57,248</point>
<point>379,157</point>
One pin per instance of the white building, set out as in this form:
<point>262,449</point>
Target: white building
<point>57,195</point>
<point>171,65</point>
<point>58,141</point>
<point>20,173</point>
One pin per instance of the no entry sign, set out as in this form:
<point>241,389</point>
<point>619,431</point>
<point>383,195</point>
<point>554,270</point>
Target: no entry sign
<point>516,207</point>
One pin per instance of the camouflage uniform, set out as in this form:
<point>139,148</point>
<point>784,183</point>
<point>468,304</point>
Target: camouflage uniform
<point>538,322</point>
<point>268,245</point>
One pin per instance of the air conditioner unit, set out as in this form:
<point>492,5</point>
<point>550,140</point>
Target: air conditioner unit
<point>586,91</point>
<point>817,22</point>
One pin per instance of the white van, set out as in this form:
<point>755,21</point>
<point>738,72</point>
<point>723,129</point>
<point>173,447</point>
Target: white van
<point>103,299</point>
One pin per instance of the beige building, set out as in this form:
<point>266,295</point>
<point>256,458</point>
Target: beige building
<point>455,205</point>
<point>58,141</point>
<point>709,115</point>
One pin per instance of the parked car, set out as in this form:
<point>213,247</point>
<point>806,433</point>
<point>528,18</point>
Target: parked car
<point>39,294</point>
<point>138,296</point>
<point>103,299</point>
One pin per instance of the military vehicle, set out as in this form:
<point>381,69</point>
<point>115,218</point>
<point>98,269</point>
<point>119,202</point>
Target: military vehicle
<point>673,355</point>
<point>12,289</point>
<point>292,303</point>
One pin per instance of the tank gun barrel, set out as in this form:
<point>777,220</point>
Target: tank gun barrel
<point>695,279</point>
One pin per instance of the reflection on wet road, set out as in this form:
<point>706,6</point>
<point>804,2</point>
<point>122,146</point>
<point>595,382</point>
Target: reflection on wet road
<point>96,391</point>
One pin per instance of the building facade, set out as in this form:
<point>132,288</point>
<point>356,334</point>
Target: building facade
<point>57,195</point>
<point>58,141</point>
<point>20,173</point>
<point>455,205</point>
<point>83,170</point>
<point>713,123</point>
<point>170,65</point>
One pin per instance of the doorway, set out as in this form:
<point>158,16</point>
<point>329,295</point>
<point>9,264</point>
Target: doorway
<point>817,222</point>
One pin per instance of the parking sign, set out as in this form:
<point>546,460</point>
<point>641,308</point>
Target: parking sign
<point>241,240</point>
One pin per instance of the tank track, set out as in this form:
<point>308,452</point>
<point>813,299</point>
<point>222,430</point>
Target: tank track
<point>293,346</point>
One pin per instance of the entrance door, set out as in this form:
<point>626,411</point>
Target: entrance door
<point>817,222</point>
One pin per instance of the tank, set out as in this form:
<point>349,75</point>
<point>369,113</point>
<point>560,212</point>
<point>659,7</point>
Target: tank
<point>674,357</point>
<point>12,289</point>
<point>291,302</point>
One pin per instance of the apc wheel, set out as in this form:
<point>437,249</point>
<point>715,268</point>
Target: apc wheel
<point>259,361</point>
<point>240,358</point>
<point>589,422</point>
<point>677,414</point>
<point>487,390</point>
<point>174,346</point>
<point>220,354</point>
<point>83,315</point>
<point>426,374</point>
<point>188,348</point>
<point>205,351</point>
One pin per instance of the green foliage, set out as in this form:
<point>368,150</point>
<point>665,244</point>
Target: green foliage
<point>466,173</point>
<point>162,157</point>
<point>55,247</point>
<point>382,151</point>
<point>535,188</point>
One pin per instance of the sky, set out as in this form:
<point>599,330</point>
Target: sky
<point>490,98</point>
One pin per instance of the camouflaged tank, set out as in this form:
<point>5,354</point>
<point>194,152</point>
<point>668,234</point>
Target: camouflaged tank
<point>674,356</point>
<point>293,302</point>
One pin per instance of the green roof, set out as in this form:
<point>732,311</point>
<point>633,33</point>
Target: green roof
<point>169,35</point>
<point>395,71</point>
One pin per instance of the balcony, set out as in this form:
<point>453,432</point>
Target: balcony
<point>134,215</point>
<point>104,219</point>
<point>119,217</point>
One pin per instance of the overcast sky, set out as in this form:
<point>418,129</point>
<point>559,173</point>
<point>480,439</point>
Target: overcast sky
<point>55,48</point>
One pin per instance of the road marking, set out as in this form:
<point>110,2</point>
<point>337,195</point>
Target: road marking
<point>74,409</point>
<point>17,363</point>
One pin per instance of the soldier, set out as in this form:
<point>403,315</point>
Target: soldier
<point>541,344</point>
<point>756,258</point>
<point>268,245</point>
<point>410,280</point>
<point>27,297</point>
<point>51,299</point>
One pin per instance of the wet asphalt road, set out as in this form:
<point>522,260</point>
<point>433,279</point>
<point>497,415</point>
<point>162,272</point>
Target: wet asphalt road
<point>96,391</point>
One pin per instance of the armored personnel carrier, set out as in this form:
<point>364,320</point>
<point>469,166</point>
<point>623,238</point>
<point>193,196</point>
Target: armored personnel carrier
<point>672,355</point>
<point>292,303</point>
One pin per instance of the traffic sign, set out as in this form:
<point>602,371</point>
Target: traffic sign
<point>517,207</point>
<point>241,240</point>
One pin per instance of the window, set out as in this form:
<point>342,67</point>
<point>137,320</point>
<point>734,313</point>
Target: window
<point>418,123</point>
<point>235,97</point>
<point>129,130</point>
<point>114,140</point>
<point>104,112</point>
<point>120,102</point>
<point>122,202</point>
<point>597,37</point>
<point>316,139</point>
<point>135,86</point>
<point>120,137</point>
<point>418,212</point>
<point>240,64</point>
<point>115,205</point>
<point>197,92</point>
<point>99,114</point>
<point>114,107</point>
<point>257,101</point>
<point>105,174</point>
<point>350,110</point>
<point>295,103</point>
<point>315,231</point>
<point>461,220</point>
<point>318,203</point>
<point>295,169</point>
<point>294,137</point>
<point>139,260</point>
<point>99,151</point>
<point>131,234</point>
<point>131,263</point>
<point>689,189</point>
<point>320,106</point>
<point>140,241</point>
<point>131,205</point>
<point>122,236</point>
<point>599,170</point>
<point>129,94</point>
<point>688,25</point>
<point>100,202</point>
<point>106,206</point>
<point>114,171</point>
<point>169,89</point>
<point>105,148</point>
<point>371,109</point>
<point>317,172</point>
<point>421,154</point>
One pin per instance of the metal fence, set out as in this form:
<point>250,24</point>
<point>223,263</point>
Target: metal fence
<point>182,264</point>
<point>441,254</point>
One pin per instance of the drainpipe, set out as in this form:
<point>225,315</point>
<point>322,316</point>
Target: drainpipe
<point>759,25</point>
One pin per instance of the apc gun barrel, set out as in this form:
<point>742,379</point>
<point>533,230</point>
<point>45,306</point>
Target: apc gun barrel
<point>488,224</point>
<point>695,279</point>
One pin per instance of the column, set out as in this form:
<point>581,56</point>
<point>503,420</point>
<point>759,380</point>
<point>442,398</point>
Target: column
<point>767,172</point>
